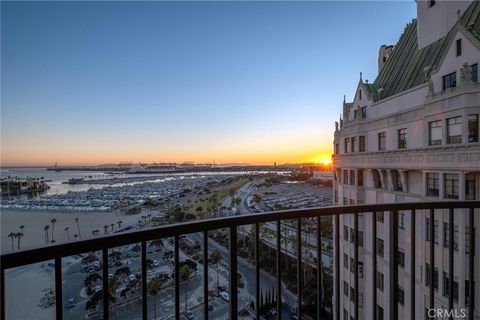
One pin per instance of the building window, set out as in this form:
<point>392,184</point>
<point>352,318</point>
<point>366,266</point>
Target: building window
<point>360,94</point>
<point>345,288</point>
<point>345,314</point>
<point>381,141</point>
<point>345,261</point>
<point>455,237</point>
<point>377,182</point>
<point>380,281</point>
<point>345,233</point>
<point>345,177</point>
<point>473,128</point>
<point>396,181</point>
<point>431,3</point>
<point>449,81</point>
<point>427,229</point>
<point>474,72</point>
<point>401,220</point>
<point>352,235</point>
<point>352,145</point>
<point>467,292</point>
<point>336,148</point>
<point>364,112</point>
<point>428,271</point>
<point>459,47</point>
<point>361,144</point>
<point>380,247</point>
<point>401,295</point>
<point>360,269</point>
<point>451,185</point>
<point>454,130</point>
<point>401,257</point>
<point>360,177</point>
<point>360,239</point>
<point>446,235</point>
<point>435,133</point>
<point>402,138</point>
<point>433,185</point>
<point>352,177</point>
<point>470,186</point>
<point>379,216</point>
<point>345,202</point>
<point>346,141</point>
<point>379,313</point>
<point>352,294</point>
<point>352,264</point>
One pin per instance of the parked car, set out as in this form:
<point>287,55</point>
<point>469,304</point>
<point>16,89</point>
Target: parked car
<point>70,303</point>
<point>225,296</point>
<point>189,315</point>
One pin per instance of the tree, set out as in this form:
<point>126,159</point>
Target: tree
<point>19,236</point>
<point>11,235</point>
<point>21,228</point>
<point>119,222</point>
<point>215,258</point>
<point>75,236</point>
<point>78,228</point>
<point>53,221</point>
<point>68,233</point>
<point>113,283</point>
<point>185,273</point>
<point>46,233</point>
<point>153,289</point>
<point>111,226</point>
<point>105,229</point>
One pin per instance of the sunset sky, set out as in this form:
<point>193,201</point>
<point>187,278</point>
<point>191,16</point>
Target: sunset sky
<point>234,82</point>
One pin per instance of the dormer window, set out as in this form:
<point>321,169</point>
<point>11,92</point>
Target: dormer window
<point>449,81</point>
<point>431,3</point>
<point>459,47</point>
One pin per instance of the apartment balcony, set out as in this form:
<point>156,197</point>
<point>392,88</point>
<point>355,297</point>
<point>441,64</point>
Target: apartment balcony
<point>243,248</point>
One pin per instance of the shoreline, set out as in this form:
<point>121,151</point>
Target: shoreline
<point>34,235</point>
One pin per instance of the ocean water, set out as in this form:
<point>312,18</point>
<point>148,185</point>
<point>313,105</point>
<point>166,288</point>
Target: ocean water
<point>55,179</point>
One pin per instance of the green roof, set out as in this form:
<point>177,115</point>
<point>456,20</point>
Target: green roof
<point>405,67</point>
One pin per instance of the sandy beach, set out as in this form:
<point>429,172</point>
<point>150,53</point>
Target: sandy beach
<point>34,222</point>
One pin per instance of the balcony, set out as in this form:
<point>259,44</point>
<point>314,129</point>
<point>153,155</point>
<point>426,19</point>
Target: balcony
<point>243,231</point>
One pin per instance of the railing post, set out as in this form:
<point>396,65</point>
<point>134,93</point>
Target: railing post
<point>144,281</point>
<point>393,264</point>
<point>58,288</point>
<point>451,246</point>
<point>257,271</point>
<point>471,288</point>
<point>412,263</point>
<point>432,260</point>
<point>374,265</point>
<point>337,267</point>
<point>299,267</point>
<point>355,256</point>
<point>279,271</point>
<point>319,269</point>
<point>233,273</point>
<point>205,275</point>
<point>177,277</point>
<point>106,302</point>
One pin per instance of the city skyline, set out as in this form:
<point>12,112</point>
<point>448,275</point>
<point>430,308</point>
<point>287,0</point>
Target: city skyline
<point>237,82</point>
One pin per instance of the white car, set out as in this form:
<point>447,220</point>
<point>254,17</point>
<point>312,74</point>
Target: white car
<point>225,296</point>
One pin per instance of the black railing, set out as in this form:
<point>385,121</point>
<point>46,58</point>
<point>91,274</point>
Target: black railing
<point>57,252</point>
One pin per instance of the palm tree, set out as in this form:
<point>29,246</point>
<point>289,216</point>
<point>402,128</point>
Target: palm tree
<point>153,289</point>
<point>68,233</point>
<point>111,226</point>
<point>75,236</point>
<point>21,228</point>
<point>113,283</point>
<point>215,258</point>
<point>53,221</point>
<point>185,273</point>
<point>119,222</point>
<point>46,232</point>
<point>105,229</point>
<point>19,236</point>
<point>78,228</point>
<point>12,235</point>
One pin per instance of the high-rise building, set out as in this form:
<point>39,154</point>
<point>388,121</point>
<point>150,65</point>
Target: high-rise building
<point>413,135</point>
